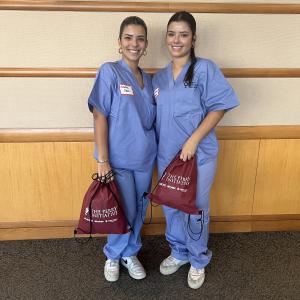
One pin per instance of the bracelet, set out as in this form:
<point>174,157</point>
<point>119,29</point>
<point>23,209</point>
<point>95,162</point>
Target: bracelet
<point>102,161</point>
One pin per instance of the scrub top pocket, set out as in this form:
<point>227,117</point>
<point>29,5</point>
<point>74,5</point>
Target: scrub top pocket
<point>188,123</point>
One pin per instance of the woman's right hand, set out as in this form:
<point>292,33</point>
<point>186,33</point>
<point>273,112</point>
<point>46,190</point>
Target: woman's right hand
<point>103,170</point>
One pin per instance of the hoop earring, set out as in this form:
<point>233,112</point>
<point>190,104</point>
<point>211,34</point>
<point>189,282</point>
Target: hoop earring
<point>120,50</point>
<point>145,53</point>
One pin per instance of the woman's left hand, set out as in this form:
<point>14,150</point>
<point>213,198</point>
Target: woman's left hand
<point>188,150</point>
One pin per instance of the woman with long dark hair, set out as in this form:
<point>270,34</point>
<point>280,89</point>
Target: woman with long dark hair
<point>192,96</point>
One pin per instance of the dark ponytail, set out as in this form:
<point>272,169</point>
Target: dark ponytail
<point>188,78</point>
<point>184,16</point>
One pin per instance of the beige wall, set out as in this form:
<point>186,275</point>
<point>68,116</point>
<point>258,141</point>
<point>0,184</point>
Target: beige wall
<point>87,39</point>
<point>61,102</point>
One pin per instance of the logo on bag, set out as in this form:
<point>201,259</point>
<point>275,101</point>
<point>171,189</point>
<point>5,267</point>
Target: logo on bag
<point>102,215</point>
<point>126,89</point>
<point>175,180</point>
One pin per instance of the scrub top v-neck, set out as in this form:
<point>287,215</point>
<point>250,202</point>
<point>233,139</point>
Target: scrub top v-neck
<point>130,112</point>
<point>181,108</point>
<point>180,77</point>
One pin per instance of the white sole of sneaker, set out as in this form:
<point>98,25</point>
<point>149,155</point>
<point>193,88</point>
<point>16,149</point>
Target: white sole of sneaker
<point>166,271</point>
<point>134,276</point>
<point>195,285</point>
<point>109,278</point>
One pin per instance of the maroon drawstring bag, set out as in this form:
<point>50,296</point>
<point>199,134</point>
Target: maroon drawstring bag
<point>102,210</point>
<point>177,186</point>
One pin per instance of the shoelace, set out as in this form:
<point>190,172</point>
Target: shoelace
<point>196,272</point>
<point>112,264</point>
<point>135,265</point>
<point>170,261</point>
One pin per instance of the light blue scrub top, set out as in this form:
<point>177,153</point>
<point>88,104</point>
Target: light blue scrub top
<point>130,111</point>
<point>180,108</point>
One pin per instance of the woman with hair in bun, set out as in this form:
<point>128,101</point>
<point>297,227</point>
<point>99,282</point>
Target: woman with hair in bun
<point>122,105</point>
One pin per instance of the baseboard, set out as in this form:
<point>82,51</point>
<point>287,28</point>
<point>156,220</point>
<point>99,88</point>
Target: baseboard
<point>218,224</point>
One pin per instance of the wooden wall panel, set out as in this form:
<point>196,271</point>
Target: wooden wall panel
<point>83,167</point>
<point>43,181</point>
<point>153,6</point>
<point>278,178</point>
<point>91,72</point>
<point>233,189</point>
<point>85,134</point>
<point>47,181</point>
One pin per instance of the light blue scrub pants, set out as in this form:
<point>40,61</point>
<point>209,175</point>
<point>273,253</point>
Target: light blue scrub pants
<point>184,244</point>
<point>132,185</point>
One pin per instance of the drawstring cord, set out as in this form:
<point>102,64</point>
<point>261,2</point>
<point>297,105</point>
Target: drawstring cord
<point>151,203</point>
<point>151,209</point>
<point>189,229</point>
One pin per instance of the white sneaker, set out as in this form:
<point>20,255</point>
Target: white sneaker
<point>195,277</point>
<point>112,270</point>
<point>135,268</point>
<point>170,265</point>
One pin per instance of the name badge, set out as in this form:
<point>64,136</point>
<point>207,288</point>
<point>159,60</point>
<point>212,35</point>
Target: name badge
<point>126,89</point>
